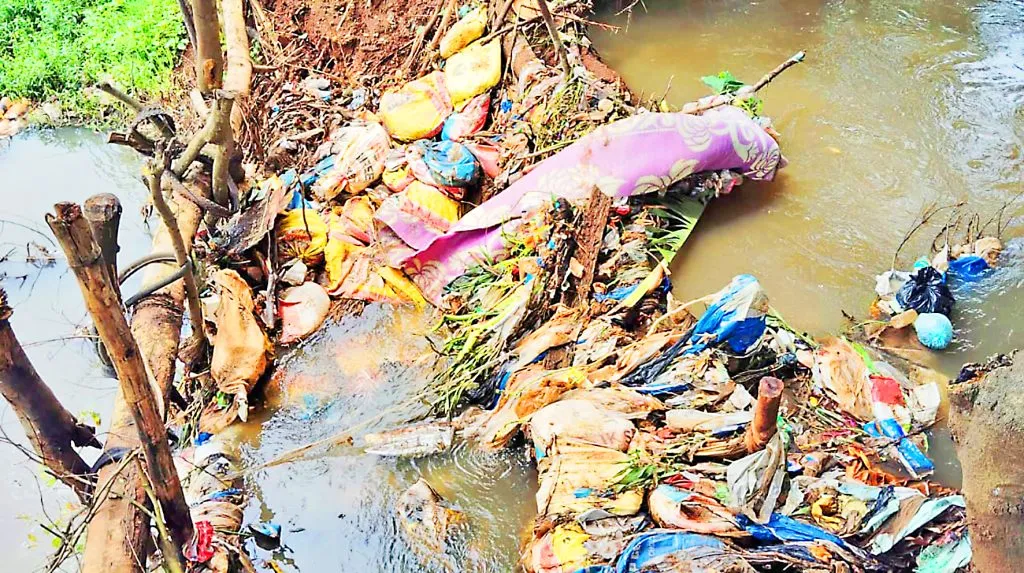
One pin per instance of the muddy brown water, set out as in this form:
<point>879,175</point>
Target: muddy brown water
<point>900,103</point>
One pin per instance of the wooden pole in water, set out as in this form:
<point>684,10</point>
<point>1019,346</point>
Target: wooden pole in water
<point>51,430</point>
<point>103,212</point>
<point>118,537</point>
<point>104,304</point>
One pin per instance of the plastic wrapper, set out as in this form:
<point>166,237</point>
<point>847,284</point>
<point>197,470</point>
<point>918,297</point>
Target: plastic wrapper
<point>468,120</point>
<point>302,234</point>
<point>358,151</point>
<point>303,309</point>
<point>926,292</point>
<point>468,29</point>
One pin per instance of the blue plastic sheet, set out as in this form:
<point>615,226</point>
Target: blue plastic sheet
<point>783,528</point>
<point>450,163</point>
<point>649,546</point>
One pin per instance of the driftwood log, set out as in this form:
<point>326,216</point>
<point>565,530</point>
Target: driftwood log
<point>987,421</point>
<point>51,430</point>
<point>103,301</point>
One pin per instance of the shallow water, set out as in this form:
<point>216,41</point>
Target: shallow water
<point>899,104</point>
<point>343,501</point>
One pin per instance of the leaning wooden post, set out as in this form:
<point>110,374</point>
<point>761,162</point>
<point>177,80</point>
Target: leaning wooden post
<point>103,212</point>
<point>104,304</point>
<point>154,178</point>
<point>50,428</point>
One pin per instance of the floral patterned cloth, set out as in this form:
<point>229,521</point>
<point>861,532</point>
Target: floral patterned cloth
<point>640,154</point>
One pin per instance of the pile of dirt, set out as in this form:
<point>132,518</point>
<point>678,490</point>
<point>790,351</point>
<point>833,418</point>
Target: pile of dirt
<point>355,40</point>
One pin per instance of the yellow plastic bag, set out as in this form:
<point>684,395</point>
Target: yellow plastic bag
<point>302,233</point>
<point>474,70</point>
<point>466,30</point>
<point>418,109</point>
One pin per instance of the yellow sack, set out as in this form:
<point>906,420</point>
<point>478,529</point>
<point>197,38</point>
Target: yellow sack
<point>466,30</point>
<point>418,109</point>
<point>302,233</point>
<point>474,70</point>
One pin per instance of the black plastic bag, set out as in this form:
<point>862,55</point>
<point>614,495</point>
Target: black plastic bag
<point>926,291</point>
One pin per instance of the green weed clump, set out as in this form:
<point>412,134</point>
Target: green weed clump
<point>54,48</point>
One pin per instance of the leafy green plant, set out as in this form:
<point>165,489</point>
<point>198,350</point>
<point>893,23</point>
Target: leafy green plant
<point>54,48</point>
<point>726,83</point>
<point>675,216</point>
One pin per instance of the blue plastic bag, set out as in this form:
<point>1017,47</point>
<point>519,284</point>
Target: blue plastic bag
<point>736,317</point>
<point>968,268</point>
<point>783,528</point>
<point>449,163</point>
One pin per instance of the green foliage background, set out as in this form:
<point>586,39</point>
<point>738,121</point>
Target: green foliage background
<point>55,47</point>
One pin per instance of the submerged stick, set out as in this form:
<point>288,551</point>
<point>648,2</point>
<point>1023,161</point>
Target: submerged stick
<point>104,304</point>
<point>745,91</point>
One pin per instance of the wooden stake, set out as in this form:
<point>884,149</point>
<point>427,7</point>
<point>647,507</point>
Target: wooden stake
<point>50,429</point>
<point>118,537</point>
<point>103,212</point>
<point>103,303</point>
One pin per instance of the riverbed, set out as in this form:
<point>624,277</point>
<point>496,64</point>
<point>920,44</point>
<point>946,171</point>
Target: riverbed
<point>899,104</point>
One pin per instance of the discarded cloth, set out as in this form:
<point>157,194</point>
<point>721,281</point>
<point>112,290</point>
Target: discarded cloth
<point>663,149</point>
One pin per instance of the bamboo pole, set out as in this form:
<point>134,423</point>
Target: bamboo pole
<point>103,303</point>
<point>50,428</point>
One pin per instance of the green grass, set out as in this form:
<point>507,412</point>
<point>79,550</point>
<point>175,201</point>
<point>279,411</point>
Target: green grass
<point>54,48</point>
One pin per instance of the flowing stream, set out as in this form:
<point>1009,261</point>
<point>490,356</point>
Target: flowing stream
<point>900,104</point>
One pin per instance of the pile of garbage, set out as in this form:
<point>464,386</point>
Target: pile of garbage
<point>923,297</point>
<point>665,437</point>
